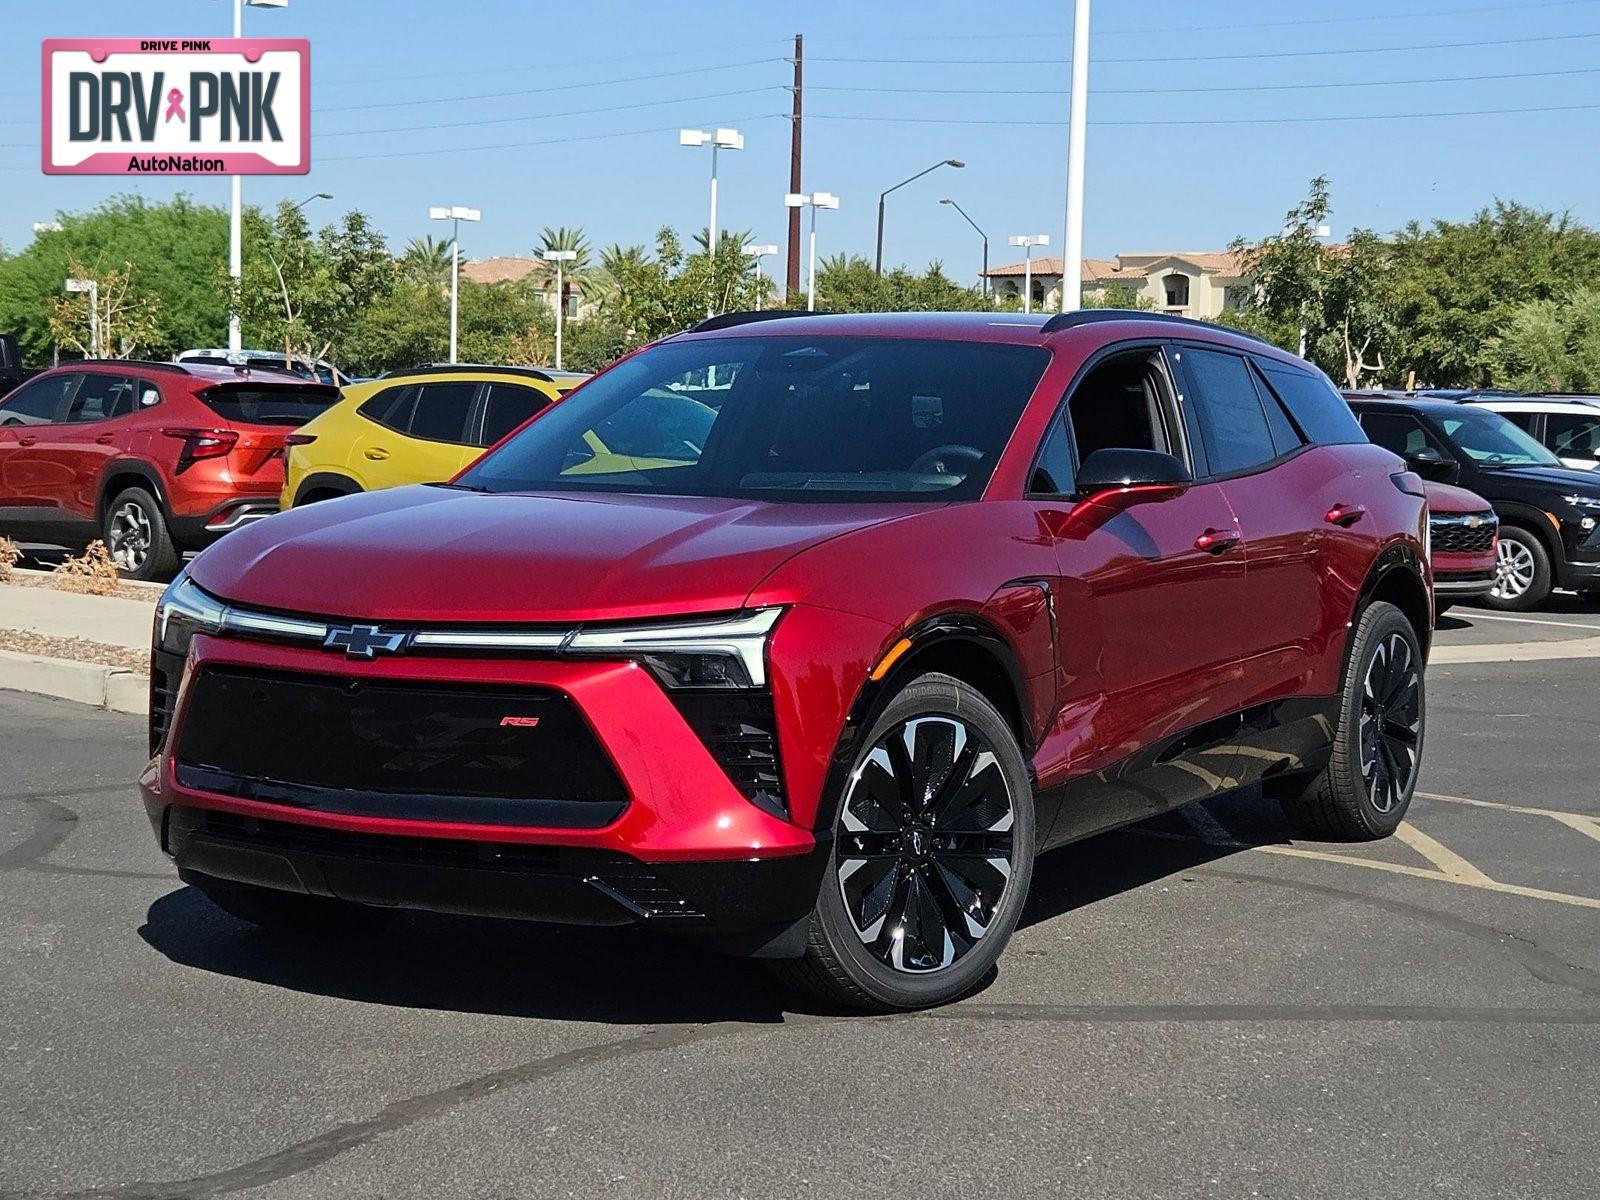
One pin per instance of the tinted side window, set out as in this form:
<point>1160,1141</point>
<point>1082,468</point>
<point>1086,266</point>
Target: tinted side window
<point>1052,474</point>
<point>508,406</point>
<point>441,413</point>
<point>1319,410</point>
<point>391,407</point>
<point>1522,420</point>
<point>1234,423</point>
<point>36,402</point>
<point>1573,435</point>
<point>101,397</point>
<point>1395,432</point>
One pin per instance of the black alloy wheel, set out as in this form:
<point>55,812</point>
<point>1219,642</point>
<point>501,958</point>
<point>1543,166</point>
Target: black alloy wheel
<point>1391,723</point>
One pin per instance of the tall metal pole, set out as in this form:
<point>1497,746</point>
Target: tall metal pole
<point>711,241</point>
<point>792,276</point>
<point>455,282</point>
<point>811,271</point>
<point>95,349</point>
<point>1072,250</point>
<point>1027,278</point>
<point>561,308</point>
<point>236,224</point>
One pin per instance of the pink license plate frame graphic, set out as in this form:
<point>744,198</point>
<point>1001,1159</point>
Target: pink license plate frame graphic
<point>228,162</point>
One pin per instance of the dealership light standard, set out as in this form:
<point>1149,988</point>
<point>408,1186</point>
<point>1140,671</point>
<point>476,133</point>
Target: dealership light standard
<point>455,214</point>
<point>721,139</point>
<point>814,201</point>
<point>558,257</point>
<point>316,196</point>
<point>93,288</point>
<point>236,214</point>
<point>756,254</point>
<point>1029,242</point>
<point>943,162</point>
<point>981,234</point>
<point>1077,125</point>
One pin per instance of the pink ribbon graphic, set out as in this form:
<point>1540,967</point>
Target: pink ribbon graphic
<point>175,105</point>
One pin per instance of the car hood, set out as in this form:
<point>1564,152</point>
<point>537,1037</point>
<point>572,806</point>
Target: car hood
<point>1582,482</point>
<point>439,554</point>
<point>1446,498</point>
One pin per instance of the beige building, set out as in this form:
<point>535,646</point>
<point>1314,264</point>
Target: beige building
<point>511,269</point>
<point>1188,283</point>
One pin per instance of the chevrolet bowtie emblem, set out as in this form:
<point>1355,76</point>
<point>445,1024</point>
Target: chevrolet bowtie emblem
<point>365,641</point>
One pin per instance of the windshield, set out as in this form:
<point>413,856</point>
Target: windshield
<point>1492,441</point>
<point>822,418</point>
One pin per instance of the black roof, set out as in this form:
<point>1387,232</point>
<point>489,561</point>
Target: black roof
<point>1423,404</point>
<point>539,373</point>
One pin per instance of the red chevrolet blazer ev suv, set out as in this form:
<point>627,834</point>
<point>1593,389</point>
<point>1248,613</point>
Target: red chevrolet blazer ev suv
<point>851,618</point>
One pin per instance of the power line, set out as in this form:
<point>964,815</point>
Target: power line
<point>571,112</point>
<point>1145,59</point>
<point>1476,112</point>
<point>1248,87</point>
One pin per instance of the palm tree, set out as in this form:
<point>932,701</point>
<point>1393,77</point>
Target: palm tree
<point>427,260</point>
<point>576,271</point>
<point>739,237</point>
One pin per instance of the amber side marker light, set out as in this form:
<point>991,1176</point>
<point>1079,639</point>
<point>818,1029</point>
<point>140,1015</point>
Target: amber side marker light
<point>887,662</point>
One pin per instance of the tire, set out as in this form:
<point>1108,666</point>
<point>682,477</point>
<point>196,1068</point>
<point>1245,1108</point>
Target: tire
<point>1523,576</point>
<point>1349,800</point>
<point>975,840</point>
<point>134,530</point>
<point>280,912</point>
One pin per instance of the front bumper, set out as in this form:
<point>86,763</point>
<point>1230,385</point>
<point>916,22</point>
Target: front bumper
<point>688,851</point>
<point>1462,585</point>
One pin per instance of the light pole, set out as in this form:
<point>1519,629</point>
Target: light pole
<point>721,139</point>
<point>316,196</point>
<point>814,201</point>
<point>236,213</point>
<point>981,234</point>
<point>455,214</point>
<point>1077,124</point>
<point>93,288</point>
<point>1321,233</point>
<point>944,162</point>
<point>756,254</point>
<point>1029,242</point>
<point>558,257</point>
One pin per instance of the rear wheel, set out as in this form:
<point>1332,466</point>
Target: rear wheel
<point>933,854</point>
<point>282,912</point>
<point>1364,791</point>
<point>1523,577</point>
<point>136,536</point>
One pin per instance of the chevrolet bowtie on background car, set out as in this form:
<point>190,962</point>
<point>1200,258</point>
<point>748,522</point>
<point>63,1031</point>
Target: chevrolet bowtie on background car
<point>1463,532</point>
<point>151,458</point>
<point>927,596</point>
<point>417,426</point>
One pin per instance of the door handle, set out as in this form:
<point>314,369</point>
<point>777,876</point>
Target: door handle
<point>1345,515</point>
<point>27,439</point>
<point>376,453</point>
<point>1217,541</point>
<point>105,439</point>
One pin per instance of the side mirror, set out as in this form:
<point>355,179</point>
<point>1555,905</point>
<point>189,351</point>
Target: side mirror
<point>1119,478</point>
<point>1430,464</point>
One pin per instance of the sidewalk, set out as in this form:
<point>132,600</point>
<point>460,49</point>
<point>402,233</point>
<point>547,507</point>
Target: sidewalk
<point>110,621</point>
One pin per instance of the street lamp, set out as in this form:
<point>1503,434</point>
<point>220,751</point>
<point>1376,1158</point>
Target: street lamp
<point>1029,242</point>
<point>317,196</point>
<point>558,257</point>
<point>814,201</point>
<point>721,139</point>
<point>756,254</point>
<point>946,162</point>
<point>455,214</point>
<point>46,227</point>
<point>93,288</point>
<point>236,214</point>
<point>981,234</point>
<point>1077,127</point>
<point>1322,233</point>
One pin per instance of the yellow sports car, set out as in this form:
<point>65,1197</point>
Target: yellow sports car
<point>417,426</point>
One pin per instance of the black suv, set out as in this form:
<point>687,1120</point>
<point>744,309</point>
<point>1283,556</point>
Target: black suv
<point>1549,514</point>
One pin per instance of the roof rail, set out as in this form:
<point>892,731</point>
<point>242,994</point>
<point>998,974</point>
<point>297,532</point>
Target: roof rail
<point>1093,316</point>
<point>147,364</point>
<point>729,320</point>
<point>458,368</point>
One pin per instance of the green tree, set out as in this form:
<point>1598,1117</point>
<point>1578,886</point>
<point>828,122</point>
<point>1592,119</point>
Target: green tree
<point>126,318</point>
<point>1550,345</point>
<point>848,283</point>
<point>427,260</point>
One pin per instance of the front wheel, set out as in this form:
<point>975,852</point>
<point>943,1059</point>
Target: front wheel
<point>1364,791</point>
<point>1522,577</point>
<point>933,854</point>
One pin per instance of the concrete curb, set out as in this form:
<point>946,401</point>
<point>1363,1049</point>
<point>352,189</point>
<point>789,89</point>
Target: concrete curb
<point>113,688</point>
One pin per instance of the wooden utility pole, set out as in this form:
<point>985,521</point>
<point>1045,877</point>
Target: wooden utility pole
<point>792,279</point>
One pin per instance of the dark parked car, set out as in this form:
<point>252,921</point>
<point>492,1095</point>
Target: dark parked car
<point>151,458</point>
<point>933,593</point>
<point>1549,514</point>
<point>12,372</point>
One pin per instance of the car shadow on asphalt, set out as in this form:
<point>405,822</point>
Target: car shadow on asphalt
<point>513,968</point>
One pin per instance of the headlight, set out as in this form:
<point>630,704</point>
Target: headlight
<point>183,611</point>
<point>1583,502</point>
<point>726,652</point>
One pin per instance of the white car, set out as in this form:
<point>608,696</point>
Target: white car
<point>273,360</point>
<point>1569,426</point>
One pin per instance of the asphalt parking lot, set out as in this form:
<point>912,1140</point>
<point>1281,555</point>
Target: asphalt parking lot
<point>1200,1006</point>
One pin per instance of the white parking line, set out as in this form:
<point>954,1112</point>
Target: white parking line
<point>1477,616</point>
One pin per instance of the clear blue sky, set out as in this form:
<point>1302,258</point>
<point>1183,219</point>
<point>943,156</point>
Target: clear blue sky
<point>991,91</point>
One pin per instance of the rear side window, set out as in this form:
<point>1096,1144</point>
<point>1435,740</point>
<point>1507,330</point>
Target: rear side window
<point>1234,423</point>
<point>1319,410</point>
<point>1573,435</point>
<point>257,404</point>
<point>392,406</point>
<point>36,402</point>
<point>507,406</point>
<point>441,412</point>
<point>102,397</point>
<point>1395,432</point>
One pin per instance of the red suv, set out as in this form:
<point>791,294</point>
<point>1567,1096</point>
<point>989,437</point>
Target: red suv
<point>924,596</point>
<point>151,458</point>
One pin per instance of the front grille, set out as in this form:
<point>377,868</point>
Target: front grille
<point>1462,533</point>
<point>165,671</point>
<point>403,749</point>
<point>741,731</point>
